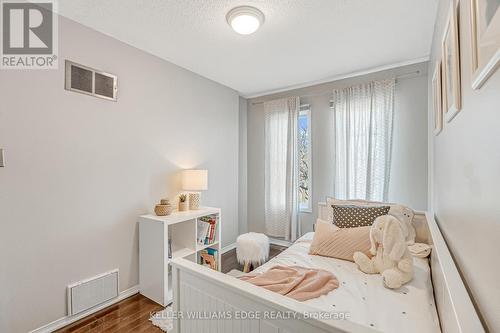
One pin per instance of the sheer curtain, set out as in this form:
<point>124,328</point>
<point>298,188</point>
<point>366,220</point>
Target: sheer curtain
<point>281,168</point>
<point>363,117</point>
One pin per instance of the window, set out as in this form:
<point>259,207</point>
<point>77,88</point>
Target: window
<point>304,159</point>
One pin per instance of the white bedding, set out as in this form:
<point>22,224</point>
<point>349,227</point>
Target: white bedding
<point>408,309</point>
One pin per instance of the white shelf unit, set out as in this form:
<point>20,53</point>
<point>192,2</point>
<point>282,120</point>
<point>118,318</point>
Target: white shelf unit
<point>155,278</point>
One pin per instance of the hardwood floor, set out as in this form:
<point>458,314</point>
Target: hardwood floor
<point>132,314</point>
<point>230,262</point>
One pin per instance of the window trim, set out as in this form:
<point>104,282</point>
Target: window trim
<point>306,109</point>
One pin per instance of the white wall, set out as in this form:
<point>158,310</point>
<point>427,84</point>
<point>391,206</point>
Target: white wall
<point>408,183</point>
<point>465,177</point>
<point>409,178</point>
<point>80,170</point>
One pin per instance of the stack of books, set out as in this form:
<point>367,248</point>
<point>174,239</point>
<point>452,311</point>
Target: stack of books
<point>207,230</point>
<point>208,258</point>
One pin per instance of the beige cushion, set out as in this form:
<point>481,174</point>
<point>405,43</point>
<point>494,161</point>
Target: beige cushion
<point>341,243</point>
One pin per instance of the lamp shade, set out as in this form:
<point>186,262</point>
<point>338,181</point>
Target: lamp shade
<point>195,180</point>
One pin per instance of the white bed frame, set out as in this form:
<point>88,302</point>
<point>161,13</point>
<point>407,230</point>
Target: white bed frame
<point>198,289</point>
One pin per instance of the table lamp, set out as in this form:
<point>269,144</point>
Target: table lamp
<point>194,180</point>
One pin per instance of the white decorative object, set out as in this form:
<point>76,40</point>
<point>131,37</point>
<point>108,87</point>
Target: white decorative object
<point>363,154</point>
<point>201,287</point>
<point>281,176</point>
<point>155,254</point>
<point>252,249</point>
<point>391,257</point>
<point>194,180</point>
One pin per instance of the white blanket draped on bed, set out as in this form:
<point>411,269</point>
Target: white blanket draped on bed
<point>410,309</point>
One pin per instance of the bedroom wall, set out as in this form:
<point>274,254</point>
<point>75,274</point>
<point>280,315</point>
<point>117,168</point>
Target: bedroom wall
<point>464,165</point>
<point>80,170</point>
<point>409,165</point>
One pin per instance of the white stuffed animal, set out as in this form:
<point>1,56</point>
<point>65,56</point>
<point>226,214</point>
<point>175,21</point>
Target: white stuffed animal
<point>391,256</point>
<point>405,216</point>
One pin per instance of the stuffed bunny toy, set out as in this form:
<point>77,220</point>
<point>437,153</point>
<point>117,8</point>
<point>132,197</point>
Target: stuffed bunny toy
<point>405,216</point>
<point>391,257</point>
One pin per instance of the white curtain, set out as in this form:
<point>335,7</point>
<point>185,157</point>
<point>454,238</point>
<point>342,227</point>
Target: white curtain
<point>281,168</point>
<point>363,117</point>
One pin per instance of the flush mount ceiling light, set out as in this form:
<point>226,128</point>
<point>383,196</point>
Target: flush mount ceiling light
<point>245,20</point>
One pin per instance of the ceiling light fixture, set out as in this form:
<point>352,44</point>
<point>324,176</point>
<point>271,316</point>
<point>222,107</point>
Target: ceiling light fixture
<point>245,20</point>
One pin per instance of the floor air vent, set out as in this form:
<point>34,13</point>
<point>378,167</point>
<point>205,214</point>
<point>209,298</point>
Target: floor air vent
<point>86,294</point>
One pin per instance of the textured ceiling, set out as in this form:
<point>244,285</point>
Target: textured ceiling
<point>301,41</point>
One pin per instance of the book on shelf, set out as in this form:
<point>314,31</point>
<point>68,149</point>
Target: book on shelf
<point>208,257</point>
<point>207,230</point>
<point>202,230</point>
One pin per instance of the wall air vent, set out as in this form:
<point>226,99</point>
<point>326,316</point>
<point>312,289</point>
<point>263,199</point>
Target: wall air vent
<point>90,81</point>
<point>88,293</point>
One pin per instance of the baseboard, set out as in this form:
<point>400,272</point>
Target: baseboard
<point>228,248</point>
<point>64,321</point>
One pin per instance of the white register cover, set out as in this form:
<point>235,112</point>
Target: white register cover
<point>363,297</point>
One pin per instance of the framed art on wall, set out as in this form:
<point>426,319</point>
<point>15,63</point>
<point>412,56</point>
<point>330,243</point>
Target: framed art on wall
<point>437,99</point>
<point>451,67</point>
<point>485,38</point>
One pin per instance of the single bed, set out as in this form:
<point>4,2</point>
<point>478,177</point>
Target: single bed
<point>363,297</point>
<point>434,301</point>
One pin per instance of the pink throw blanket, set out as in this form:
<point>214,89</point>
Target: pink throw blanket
<point>296,282</point>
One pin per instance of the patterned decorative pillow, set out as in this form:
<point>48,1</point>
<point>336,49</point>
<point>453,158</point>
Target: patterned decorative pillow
<point>348,216</point>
